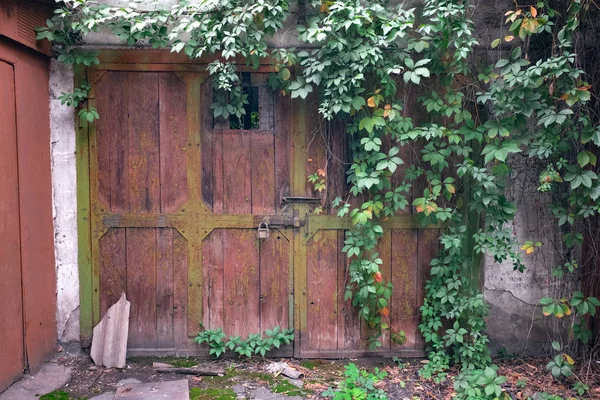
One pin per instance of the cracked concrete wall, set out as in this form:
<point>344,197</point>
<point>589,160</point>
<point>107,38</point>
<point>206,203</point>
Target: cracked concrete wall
<point>64,192</point>
<point>516,322</point>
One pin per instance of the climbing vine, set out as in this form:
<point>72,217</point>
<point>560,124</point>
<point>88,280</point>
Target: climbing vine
<point>361,56</point>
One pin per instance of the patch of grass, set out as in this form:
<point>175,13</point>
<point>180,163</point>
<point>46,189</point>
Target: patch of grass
<point>286,388</point>
<point>212,394</point>
<point>56,395</point>
<point>310,364</point>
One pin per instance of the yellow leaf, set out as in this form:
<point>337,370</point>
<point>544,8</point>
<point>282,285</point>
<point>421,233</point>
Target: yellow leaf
<point>420,208</point>
<point>568,359</point>
<point>529,250</point>
<point>386,113</point>
<point>509,38</point>
<point>533,11</point>
<point>371,102</point>
<point>451,188</point>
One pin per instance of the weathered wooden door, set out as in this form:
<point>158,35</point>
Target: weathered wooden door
<point>12,360</point>
<point>175,200</point>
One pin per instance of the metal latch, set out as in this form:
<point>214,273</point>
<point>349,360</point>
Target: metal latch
<point>284,221</point>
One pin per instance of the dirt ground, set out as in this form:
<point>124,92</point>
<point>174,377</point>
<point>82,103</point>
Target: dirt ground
<point>526,377</point>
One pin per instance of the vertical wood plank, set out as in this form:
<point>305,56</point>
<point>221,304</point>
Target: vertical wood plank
<point>164,287</point>
<point>274,262</point>
<point>144,162</point>
<point>385,253</point>
<point>322,295</point>
<point>336,168</point>
<point>206,138</point>
<point>180,290</point>
<point>316,147</point>
<point>218,180</point>
<point>113,267</point>
<point>103,90</point>
<point>262,161</point>
<point>12,360</point>
<point>404,310</point>
<point>212,265</point>
<point>241,280</point>
<point>348,321</point>
<point>112,138</point>
<point>427,249</point>
<point>141,286</point>
<point>282,149</point>
<point>173,139</point>
<point>237,188</point>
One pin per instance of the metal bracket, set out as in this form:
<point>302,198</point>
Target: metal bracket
<point>283,221</point>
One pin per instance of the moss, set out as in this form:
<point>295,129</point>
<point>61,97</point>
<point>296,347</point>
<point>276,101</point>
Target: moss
<point>286,388</point>
<point>212,394</point>
<point>56,395</point>
<point>310,364</point>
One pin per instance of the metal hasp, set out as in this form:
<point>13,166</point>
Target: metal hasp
<point>282,221</point>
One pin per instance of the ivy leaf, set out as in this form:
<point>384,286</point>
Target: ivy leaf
<point>495,43</point>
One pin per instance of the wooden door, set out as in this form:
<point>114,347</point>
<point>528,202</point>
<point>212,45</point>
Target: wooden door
<point>12,361</point>
<point>175,200</point>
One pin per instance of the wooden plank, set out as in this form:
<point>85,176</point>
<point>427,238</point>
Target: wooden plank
<point>316,146</point>
<point>103,138</point>
<point>35,204</point>
<point>212,265</point>
<point>164,287</point>
<point>404,311</point>
<point>241,280</point>
<point>113,267</point>
<point>218,178</point>
<point>262,167</point>
<point>180,290</point>
<point>274,263</point>
<point>12,359</point>
<point>348,320</point>
<point>428,245</point>
<point>144,162</point>
<point>282,149</point>
<point>321,270</point>
<point>206,137</point>
<point>84,245</point>
<point>385,253</point>
<point>141,287</point>
<point>336,168</point>
<point>237,189</point>
<point>173,142</point>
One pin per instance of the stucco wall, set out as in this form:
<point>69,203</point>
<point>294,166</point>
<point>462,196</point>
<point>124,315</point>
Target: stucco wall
<point>64,193</point>
<point>515,322</point>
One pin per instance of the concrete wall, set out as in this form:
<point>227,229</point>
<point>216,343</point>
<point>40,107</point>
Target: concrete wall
<point>515,322</point>
<point>64,193</point>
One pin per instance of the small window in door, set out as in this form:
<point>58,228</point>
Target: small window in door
<point>258,105</point>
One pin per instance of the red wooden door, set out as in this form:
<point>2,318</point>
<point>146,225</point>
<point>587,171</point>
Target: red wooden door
<point>176,197</point>
<point>12,360</point>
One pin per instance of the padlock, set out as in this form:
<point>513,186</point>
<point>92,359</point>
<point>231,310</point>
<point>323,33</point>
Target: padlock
<point>263,230</point>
